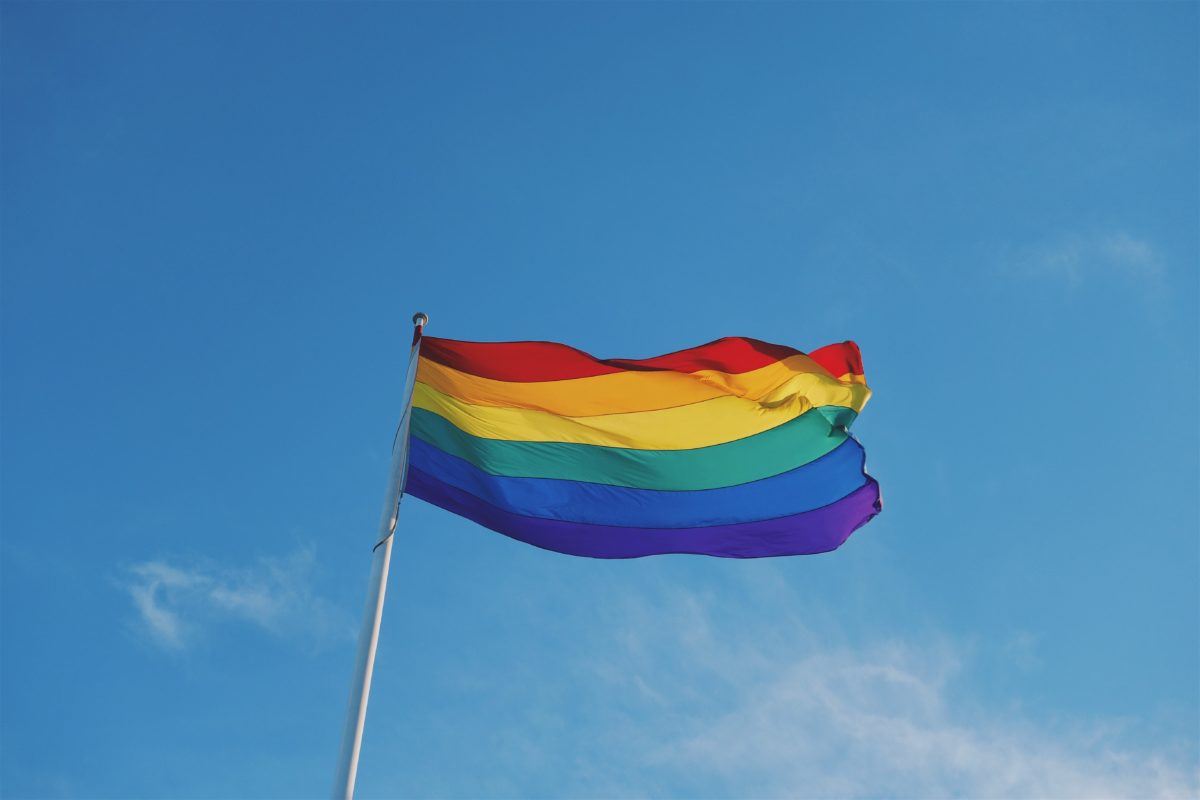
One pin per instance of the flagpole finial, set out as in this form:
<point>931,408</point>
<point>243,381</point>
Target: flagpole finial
<point>420,319</point>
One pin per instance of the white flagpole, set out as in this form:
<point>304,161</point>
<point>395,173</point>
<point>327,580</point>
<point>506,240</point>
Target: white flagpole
<point>368,638</point>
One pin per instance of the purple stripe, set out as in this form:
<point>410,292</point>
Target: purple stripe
<point>817,531</point>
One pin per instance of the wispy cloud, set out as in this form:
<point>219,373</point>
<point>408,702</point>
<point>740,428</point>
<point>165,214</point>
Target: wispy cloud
<point>776,711</point>
<point>176,603</point>
<point>881,722</point>
<point>1075,258</point>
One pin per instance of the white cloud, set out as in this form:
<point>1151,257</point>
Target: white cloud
<point>786,713</point>
<point>176,603</point>
<point>880,722</point>
<point>1075,258</point>
<point>152,581</point>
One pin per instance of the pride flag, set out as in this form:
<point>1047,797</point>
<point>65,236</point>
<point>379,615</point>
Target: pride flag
<point>737,448</point>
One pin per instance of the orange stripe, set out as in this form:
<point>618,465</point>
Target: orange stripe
<point>628,392</point>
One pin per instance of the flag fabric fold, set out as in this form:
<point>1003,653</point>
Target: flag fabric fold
<point>737,448</point>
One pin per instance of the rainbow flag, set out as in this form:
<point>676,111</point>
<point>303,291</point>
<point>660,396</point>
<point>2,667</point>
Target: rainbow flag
<point>737,448</point>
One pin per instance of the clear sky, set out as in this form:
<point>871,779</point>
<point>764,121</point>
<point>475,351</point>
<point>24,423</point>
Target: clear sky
<point>219,217</point>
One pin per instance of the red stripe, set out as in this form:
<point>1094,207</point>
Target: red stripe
<point>843,358</point>
<point>550,361</point>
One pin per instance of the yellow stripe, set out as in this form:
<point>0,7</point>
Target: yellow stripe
<point>714,421</point>
<point>628,392</point>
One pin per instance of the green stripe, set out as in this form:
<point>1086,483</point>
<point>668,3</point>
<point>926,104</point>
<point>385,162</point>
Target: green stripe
<point>785,447</point>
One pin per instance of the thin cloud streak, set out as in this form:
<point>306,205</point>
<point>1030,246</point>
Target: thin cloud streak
<point>177,605</point>
<point>152,582</point>
<point>1075,259</point>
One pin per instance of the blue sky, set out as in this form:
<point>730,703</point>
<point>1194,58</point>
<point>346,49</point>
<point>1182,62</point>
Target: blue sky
<point>218,219</point>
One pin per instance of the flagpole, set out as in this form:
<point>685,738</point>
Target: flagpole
<point>368,638</point>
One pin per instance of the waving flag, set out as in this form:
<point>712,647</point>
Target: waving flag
<point>737,448</point>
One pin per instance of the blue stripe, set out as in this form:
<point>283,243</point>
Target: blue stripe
<point>811,486</point>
